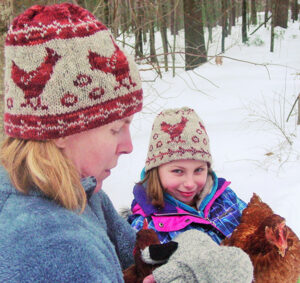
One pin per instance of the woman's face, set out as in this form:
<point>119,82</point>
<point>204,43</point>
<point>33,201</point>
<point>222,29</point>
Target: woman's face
<point>95,152</point>
<point>183,179</point>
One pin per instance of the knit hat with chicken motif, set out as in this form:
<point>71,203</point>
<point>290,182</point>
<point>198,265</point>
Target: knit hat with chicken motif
<point>177,134</point>
<point>65,74</point>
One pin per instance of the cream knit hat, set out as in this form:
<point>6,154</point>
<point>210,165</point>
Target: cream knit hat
<point>177,134</point>
<point>65,74</point>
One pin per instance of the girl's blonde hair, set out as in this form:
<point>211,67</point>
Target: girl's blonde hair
<point>154,189</point>
<point>41,164</point>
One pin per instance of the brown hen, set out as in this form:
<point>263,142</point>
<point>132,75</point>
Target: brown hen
<point>273,247</point>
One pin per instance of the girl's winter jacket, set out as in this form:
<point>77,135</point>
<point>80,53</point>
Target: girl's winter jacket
<point>218,214</point>
<point>41,241</point>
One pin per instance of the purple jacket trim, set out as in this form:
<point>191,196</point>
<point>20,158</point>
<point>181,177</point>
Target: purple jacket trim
<point>138,210</point>
<point>141,197</point>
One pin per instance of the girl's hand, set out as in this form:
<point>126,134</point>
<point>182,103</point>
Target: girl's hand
<point>149,279</point>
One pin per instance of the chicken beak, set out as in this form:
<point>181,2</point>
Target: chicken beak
<point>282,250</point>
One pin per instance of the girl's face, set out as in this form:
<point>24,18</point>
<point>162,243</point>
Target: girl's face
<point>183,179</point>
<point>95,152</point>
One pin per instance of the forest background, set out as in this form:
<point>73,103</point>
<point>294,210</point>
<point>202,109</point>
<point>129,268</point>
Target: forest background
<point>136,23</point>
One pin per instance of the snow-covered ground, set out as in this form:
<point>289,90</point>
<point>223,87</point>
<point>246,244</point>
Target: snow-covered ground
<point>244,106</point>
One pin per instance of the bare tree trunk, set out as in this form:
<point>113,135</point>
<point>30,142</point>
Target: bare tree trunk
<point>295,10</point>
<point>163,31</point>
<point>253,13</point>
<point>153,57</point>
<point>106,13</point>
<point>209,9</point>
<point>228,20</point>
<point>138,29</point>
<point>224,24</point>
<point>233,12</point>
<point>174,31</point>
<point>244,21</point>
<point>267,7</point>
<point>195,51</point>
<point>125,18</point>
<point>174,17</point>
<point>213,10</point>
<point>273,6</point>
<point>281,13</point>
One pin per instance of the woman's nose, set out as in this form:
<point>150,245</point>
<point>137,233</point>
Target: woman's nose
<point>125,145</point>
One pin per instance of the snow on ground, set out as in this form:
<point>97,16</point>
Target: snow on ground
<point>244,107</point>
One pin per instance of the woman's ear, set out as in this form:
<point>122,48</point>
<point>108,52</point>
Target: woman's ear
<point>61,142</point>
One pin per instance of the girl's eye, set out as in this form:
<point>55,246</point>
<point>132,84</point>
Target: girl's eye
<point>177,171</point>
<point>199,170</point>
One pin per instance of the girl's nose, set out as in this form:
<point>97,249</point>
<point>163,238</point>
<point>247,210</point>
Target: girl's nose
<point>189,183</point>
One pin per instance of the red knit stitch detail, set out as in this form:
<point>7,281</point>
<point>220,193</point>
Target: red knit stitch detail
<point>40,24</point>
<point>181,151</point>
<point>54,126</point>
<point>175,130</point>
<point>96,93</point>
<point>202,127</point>
<point>116,65</point>
<point>33,83</point>
<point>69,99</point>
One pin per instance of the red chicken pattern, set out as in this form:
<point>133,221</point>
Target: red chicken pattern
<point>175,130</point>
<point>117,65</point>
<point>33,83</point>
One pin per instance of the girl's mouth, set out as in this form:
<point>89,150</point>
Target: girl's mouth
<point>187,194</point>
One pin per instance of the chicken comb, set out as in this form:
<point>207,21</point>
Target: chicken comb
<point>145,225</point>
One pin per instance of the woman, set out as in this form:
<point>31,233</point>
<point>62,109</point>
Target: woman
<point>70,96</point>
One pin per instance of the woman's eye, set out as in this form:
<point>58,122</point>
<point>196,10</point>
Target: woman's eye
<point>115,131</point>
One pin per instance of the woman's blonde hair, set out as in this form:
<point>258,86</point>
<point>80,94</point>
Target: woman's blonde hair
<point>42,165</point>
<point>154,188</point>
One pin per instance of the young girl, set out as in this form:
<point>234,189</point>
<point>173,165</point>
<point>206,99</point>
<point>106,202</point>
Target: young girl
<point>179,190</point>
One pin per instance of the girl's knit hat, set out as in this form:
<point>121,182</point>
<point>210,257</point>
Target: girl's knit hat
<point>177,134</point>
<point>65,74</point>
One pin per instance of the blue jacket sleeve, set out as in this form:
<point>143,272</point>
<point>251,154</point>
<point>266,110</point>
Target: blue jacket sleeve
<point>121,234</point>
